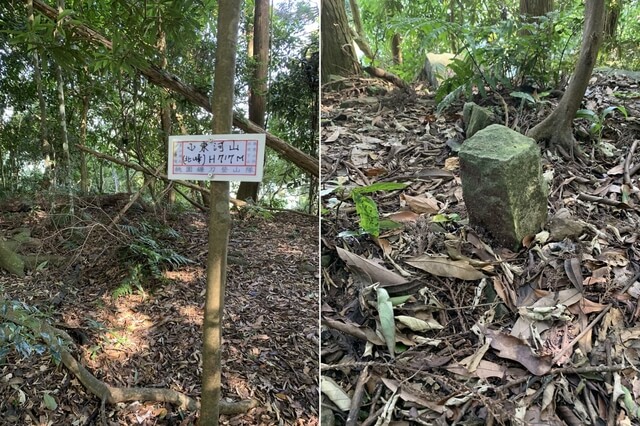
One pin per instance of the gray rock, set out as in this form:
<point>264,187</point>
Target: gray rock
<point>502,184</point>
<point>476,118</point>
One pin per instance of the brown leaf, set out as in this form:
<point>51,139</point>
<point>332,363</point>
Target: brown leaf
<point>421,204</point>
<point>510,347</point>
<point>445,267</point>
<point>572,269</point>
<point>403,216</point>
<point>376,272</point>
<point>407,395</point>
<point>484,370</point>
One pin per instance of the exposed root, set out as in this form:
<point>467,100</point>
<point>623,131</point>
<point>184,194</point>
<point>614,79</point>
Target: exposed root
<point>56,340</point>
<point>558,133</point>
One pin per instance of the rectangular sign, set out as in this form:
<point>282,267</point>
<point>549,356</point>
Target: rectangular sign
<point>217,157</point>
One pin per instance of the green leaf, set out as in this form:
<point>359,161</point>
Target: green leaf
<point>368,212</point>
<point>588,114</point>
<point>65,13</point>
<point>399,300</point>
<point>387,321</point>
<point>610,110</point>
<point>50,402</point>
<point>523,95</point>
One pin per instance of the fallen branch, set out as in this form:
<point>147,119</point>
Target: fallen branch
<point>605,201</point>
<point>56,339</point>
<point>162,78</point>
<point>356,399</point>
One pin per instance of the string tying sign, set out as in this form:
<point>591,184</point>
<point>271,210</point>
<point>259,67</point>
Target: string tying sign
<point>216,157</point>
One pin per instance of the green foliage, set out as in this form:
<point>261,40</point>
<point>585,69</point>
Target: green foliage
<point>122,119</point>
<point>514,53</point>
<point>367,208</point>
<point>134,279</point>
<point>148,255</point>
<point>598,120</point>
<point>20,337</point>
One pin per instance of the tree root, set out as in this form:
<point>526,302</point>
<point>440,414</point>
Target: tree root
<point>56,340</point>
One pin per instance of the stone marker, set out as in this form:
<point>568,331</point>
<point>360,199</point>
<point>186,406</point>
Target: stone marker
<point>476,118</point>
<point>502,184</point>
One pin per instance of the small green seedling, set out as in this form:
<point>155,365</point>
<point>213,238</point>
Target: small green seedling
<point>367,208</point>
<point>597,120</point>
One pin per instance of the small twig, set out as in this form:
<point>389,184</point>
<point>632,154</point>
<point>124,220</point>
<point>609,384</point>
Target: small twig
<point>356,399</point>
<point>358,172</point>
<point>133,199</point>
<point>627,165</point>
<point>579,336</point>
<point>603,200</point>
<point>611,419</point>
<point>627,162</point>
<point>373,418</point>
<point>564,370</point>
<point>506,109</point>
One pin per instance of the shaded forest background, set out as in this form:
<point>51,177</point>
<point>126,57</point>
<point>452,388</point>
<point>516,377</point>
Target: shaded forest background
<point>58,91</point>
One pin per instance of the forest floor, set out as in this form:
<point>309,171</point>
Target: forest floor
<point>152,336</point>
<point>558,344</point>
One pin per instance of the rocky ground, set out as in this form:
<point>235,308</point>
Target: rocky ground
<point>433,322</point>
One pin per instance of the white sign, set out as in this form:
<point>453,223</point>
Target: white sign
<point>217,157</point>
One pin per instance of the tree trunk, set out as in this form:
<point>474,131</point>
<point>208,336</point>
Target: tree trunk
<point>557,127</point>
<point>611,18</point>
<point>64,135</point>
<point>44,129</point>
<point>84,174</point>
<point>338,54</point>
<point>219,217</point>
<point>396,51</point>
<point>258,85</point>
<point>532,8</point>
<point>165,107</point>
<point>359,35</point>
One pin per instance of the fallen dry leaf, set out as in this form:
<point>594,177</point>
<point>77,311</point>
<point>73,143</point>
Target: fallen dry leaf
<point>421,204</point>
<point>445,267</point>
<point>510,347</point>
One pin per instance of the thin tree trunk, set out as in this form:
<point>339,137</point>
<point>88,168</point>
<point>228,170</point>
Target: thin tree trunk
<point>258,86</point>
<point>219,219</point>
<point>396,49</point>
<point>165,108</point>
<point>557,128</point>
<point>44,129</point>
<point>84,173</point>
<point>359,35</point>
<point>64,136</point>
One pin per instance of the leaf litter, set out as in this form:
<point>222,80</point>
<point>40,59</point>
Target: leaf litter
<point>482,334</point>
<point>153,337</point>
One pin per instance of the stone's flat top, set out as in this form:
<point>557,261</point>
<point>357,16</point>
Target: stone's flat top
<point>496,141</point>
